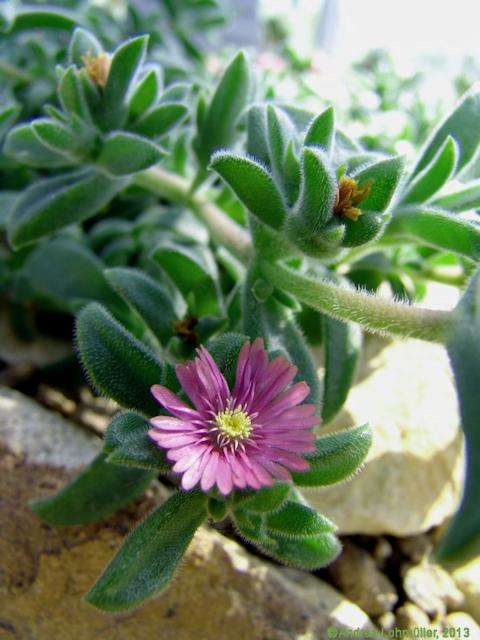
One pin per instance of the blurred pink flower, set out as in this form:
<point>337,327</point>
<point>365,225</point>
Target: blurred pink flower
<point>244,438</point>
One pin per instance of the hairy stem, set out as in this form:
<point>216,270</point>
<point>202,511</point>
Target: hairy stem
<point>375,314</point>
<point>224,230</point>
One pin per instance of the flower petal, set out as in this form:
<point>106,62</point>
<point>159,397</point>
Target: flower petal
<point>287,400</point>
<point>172,403</point>
<point>224,476</point>
<point>188,459</point>
<point>166,423</point>
<point>210,471</point>
<point>170,440</point>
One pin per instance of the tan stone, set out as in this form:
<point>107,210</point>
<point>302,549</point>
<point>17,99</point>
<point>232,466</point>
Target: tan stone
<point>413,476</point>
<point>431,588</point>
<point>410,616</point>
<point>221,591</point>
<point>459,620</point>
<point>467,578</point>
<point>357,576</point>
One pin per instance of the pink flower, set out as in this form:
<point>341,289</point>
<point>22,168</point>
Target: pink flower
<point>244,438</point>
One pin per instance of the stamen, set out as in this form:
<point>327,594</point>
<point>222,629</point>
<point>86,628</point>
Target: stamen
<point>232,426</point>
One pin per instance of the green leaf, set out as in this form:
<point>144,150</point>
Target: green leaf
<point>100,490</point>
<point>67,273</point>
<point>153,302</point>
<point>343,343</point>
<point>461,542</point>
<point>23,146</point>
<point>265,500</point>
<point>253,185</point>
<point>82,43</point>
<point>7,201</point>
<point>126,60</point>
<point>321,132</point>
<point>337,457</point>
<point>160,120</point>
<point>55,136</point>
<point>125,153</point>
<point>193,269</point>
<point>280,132</point>
<point>8,115</point>
<point>317,191</point>
<point>365,229</point>
<point>298,521</point>
<point>464,199</point>
<point>437,228</point>
<point>28,18</point>
<point>53,203</point>
<point>127,443</point>
<point>305,553</point>
<point>145,94</point>
<point>432,178</point>
<point>72,95</point>
<point>250,526</point>
<point>292,174</point>
<point>463,125</point>
<point>118,364</point>
<point>275,323</point>
<point>230,98</point>
<point>224,350</point>
<point>257,136</point>
<point>151,554</point>
<point>385,176</point>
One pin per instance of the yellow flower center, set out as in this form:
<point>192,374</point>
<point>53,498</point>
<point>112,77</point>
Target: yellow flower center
<point>349,195</point>
<point>233,425</point>
<point>97,67</point>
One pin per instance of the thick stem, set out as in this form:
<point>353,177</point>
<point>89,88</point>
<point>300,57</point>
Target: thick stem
<point>224,230</point>
<point>375,314</point>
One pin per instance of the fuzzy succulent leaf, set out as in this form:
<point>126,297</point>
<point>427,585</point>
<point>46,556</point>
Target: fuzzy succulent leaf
<point>337,457</point>
<point>158,121</point>
<point>437,228</point>
<point>125,62</point>
<point>194,271</point>
<point>145,94</point>
<point>275,323</point>
<point>432,178</point>
<point>465,199</point>
<point>257,135</point>
<point>82,43</point>
<point>385,176</point>
<point>26,148</point>
<point>321,131</point>
<point>463,125</point>
<point>265,500</point>
<point>343,343</point>
<point>100,490</point>
<point>67,274</point>
<point>55,136</point>
<point>218,126</point>
<point>253,185</point>
<point>127,443</point>
<point>317,190</point>
<point>295,520</point>
<point>461,542</point>
<point>148,559</point>
<point>125,153</point>
<point>53,203</point>
<point>305,553</point>
<point>118,364</point>
<point>224,350</point>
<point>367,228</point>
<point>152,301</point>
